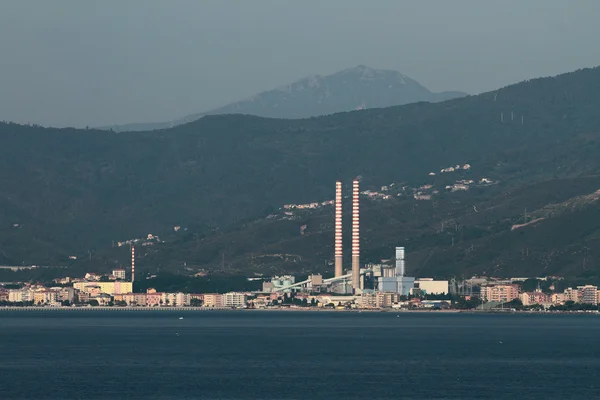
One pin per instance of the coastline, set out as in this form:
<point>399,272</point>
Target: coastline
<point>188,309</point>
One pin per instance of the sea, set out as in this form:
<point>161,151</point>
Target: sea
<point>297,355</point>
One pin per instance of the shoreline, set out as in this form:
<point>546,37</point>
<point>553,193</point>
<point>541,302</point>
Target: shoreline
<point>188,309</point>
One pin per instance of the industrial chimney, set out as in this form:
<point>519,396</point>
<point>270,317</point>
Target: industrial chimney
<point>338,229</point>
<point>355,237</point>
<point>400,261</point>
<point>132,263</point>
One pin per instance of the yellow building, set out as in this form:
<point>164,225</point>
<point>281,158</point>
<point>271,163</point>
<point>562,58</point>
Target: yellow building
<point>112,288</point>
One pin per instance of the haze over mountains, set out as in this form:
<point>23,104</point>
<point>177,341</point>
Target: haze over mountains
<point>67,191</point>
<point>355,88</point>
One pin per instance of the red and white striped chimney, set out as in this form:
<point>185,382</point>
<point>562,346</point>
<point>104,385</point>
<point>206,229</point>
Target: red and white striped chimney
<point>338,230</point>
<point>132,263</point>
<point>355,236</point>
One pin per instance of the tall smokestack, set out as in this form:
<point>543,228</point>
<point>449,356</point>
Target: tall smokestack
<point>400,261</point>
<point>338,229</point>
<point>132,263</point>
<point>355,237</point>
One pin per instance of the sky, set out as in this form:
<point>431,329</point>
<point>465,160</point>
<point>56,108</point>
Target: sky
<point>93,63</point>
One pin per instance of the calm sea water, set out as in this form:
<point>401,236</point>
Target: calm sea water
<point>297,355</point>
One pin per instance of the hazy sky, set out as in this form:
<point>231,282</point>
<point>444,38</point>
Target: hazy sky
<point>78,63</point>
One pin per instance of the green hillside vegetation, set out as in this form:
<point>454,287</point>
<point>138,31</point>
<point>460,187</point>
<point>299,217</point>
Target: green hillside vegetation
<point>67,191</point>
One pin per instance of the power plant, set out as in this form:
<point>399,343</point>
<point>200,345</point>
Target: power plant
<point>383,278</point>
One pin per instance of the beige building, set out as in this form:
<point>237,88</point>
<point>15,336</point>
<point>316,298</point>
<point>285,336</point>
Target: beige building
<point>429,286</point>
<point>500,293</point>
<point>571,295</point>
<point>119,273</point>
<point>531,298</point>
<point>111,288</point>
<point>213,300</point>
<point>587,294</point>
<point>234,299</point>
<point>45,297</point>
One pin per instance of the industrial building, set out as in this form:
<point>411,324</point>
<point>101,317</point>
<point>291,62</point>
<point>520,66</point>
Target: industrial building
<point>430,286</point>
<point>393,279</point>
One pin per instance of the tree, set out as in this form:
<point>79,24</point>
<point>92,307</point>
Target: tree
<point>94,303</point>
<point>195,302</point>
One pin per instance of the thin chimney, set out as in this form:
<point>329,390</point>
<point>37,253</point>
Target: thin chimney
<point>338,230</point>
<point>355,236</point>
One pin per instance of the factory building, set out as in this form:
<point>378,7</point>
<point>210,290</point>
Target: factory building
<point>393,279</point>
<point>279,282</point>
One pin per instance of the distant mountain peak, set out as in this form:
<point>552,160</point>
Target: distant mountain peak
<point>354,88</point>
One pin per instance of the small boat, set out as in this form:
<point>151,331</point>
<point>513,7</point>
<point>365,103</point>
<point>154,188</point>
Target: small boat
<point>180,317</point>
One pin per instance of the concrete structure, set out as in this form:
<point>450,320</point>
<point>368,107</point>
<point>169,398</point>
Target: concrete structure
<point>279,282</point>
<point>397,284</point>
<point>500,293</point>
<point>234,299</point>
<point>338,230</point>
<point>587,294</point>
<point>213,300</point>
<point>119,273</point>
<point>429,286</point>
<point>315,283</point>
<point>355,236</point>
<point>400,261</point>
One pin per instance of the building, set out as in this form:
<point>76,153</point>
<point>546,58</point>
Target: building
<point>571,295</point>
<point>234,299</point>
<point>45,297</point>
<point>531,298</point>
<point>111,288</point>
<point>429,286</point>
<point>213,300</point>
<point>557,298</point>
<point>397,284</point>
<point>119,273</point>
<point>500,293</point>
<point>279,282</point>
<point>153,299</point>
<point>587,294</point>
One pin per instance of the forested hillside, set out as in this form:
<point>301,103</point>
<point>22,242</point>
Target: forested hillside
<point>67,191</point>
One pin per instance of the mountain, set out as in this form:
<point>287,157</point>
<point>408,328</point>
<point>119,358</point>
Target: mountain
<point>355,88</point>
<point>70,192</point>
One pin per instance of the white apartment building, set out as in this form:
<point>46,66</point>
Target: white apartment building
<point>234,299</point>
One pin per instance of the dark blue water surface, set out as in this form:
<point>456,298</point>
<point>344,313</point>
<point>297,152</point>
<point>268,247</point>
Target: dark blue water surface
<point>297,355</point>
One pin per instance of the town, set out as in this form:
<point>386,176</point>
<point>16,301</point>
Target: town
<point>282,292</point>
<point>362,286</point>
